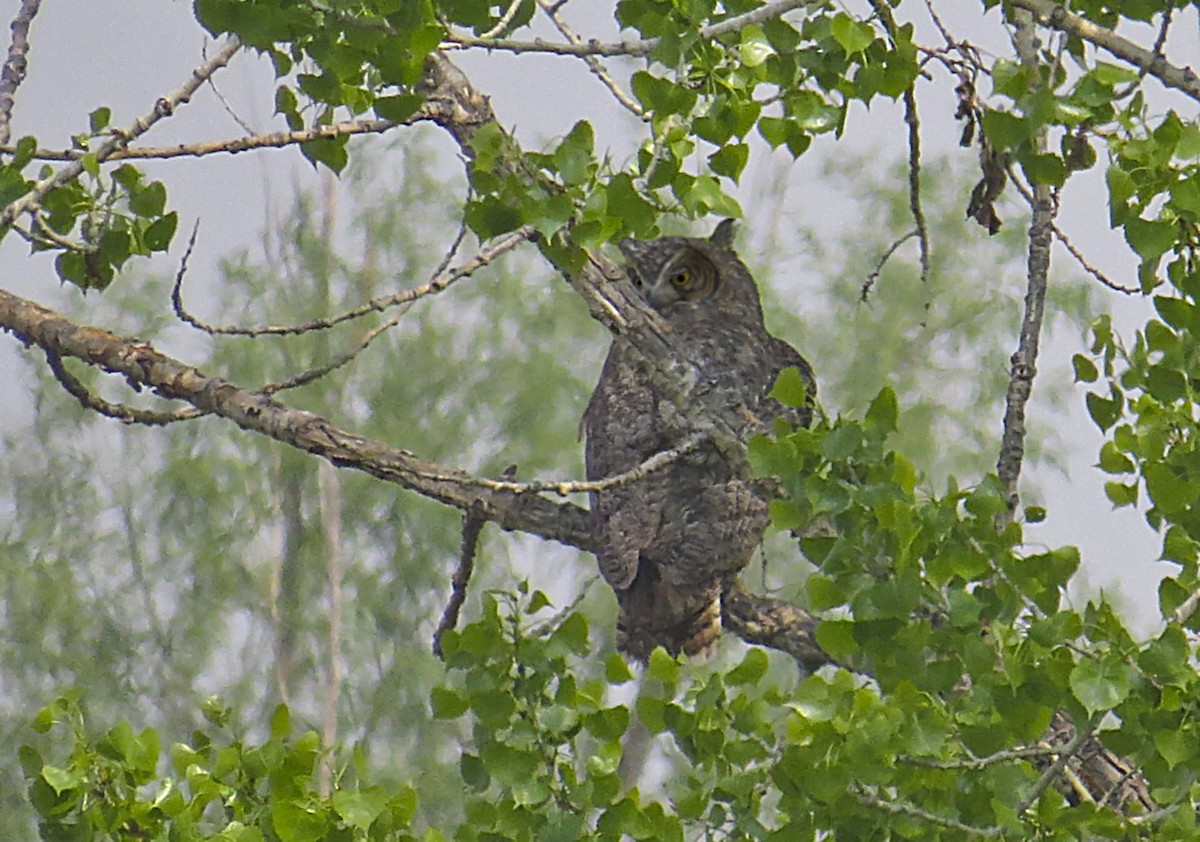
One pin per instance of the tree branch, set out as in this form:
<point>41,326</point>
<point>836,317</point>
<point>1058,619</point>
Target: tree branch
<point>1024,360</point>
<point>233,145</point>
<point>164,107</point>
<point>144,367</point>
<point>1056,16</point>
<point>13,73</point>
<point>637,47</point>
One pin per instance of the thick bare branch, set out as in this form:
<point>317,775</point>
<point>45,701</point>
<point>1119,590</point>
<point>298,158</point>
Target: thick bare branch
<point>15,65</point>
<point>774,623</point>
<point>1024,360</point>
<point>144,367</point>
<point>1056,16</point>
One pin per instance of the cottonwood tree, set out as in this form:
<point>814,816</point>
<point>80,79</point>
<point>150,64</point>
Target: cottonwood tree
<point>949,691</point>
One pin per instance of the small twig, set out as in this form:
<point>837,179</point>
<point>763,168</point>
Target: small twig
<point>330,489</point>
<point>472,525</point>
<point>593,63</point>
<point>869,283</point>
<point>246,127</point>
<point>15,66</point>
<point>899,808</point>
<point>1186,609</point>
<point>121,412</point>
<point>977,763</point>
<point>554,623</point>
<point>937,22</point>
<point>914,185</point>
<point>912,120</point>
<point>1089,268</point>
<point>234,145</point>
<point>504,21</point>
<point>1027,195</point>
<point>565,487</point>
<point>307,376</point>
<point>163,107</point>
<point>485,256</point>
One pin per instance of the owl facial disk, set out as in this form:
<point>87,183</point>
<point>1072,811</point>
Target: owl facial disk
<point>687,276</point>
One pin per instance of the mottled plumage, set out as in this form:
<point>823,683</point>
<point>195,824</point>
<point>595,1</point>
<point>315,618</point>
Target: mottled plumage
<point>669,543</point>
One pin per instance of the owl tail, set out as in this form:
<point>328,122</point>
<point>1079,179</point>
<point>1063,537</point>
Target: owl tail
<point>694,633</point>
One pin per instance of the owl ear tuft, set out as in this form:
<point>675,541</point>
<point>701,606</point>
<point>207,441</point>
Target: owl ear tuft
<point>723,235</point>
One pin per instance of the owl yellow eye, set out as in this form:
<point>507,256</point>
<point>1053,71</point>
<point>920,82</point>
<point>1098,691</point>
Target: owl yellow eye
<point>681,278</point>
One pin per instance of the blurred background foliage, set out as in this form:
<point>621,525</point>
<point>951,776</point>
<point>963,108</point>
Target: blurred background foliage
<point>153,570</point>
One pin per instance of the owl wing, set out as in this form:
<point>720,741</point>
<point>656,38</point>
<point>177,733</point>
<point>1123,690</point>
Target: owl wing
<point>620,424</point>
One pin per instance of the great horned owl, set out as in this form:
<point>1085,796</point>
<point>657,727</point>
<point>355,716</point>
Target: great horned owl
<point>671,542</point>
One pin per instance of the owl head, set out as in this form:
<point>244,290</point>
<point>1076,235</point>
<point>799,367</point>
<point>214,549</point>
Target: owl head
<point>675,271</point>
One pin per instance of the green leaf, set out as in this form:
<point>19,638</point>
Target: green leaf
<point>158,234</point>
<point>281,722</point>
<point>1101,684</point>
<point>1178,313</point>
<point>730,160</point>
<point>1005,130</point>
<point>61,780</point>
<point>625,202</point>
<point>754,48</point>
<point>884,411</point>
<point>575,157</point>
<point>396,108</point>
<point>1035,514</point>
<point>790,388</point>
<point>491,216</point>
<point>150,200</point>
<point>296,821</point>
<point>1113,461</point>
<point>1104,411</point>
<point>853,36</point>
<point>509,765</point>
<point>616,670</point>
<point>1170,492</point>
<point>537,601</point>
<point>98,120</point>
<point>1150,238</point>
<point>573,632</point>
<point>663,667</point>
<point>1085,369</point>
<point>330,151</point>
<point>1120,494</point>
<point>447,704</point>
<point>752,668</point>
<point>837,638</point>
<point>1046,168</point>
<point>360,807</point>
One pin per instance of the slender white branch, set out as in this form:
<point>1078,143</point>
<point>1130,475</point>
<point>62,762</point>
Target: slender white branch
<point>633,47</point>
